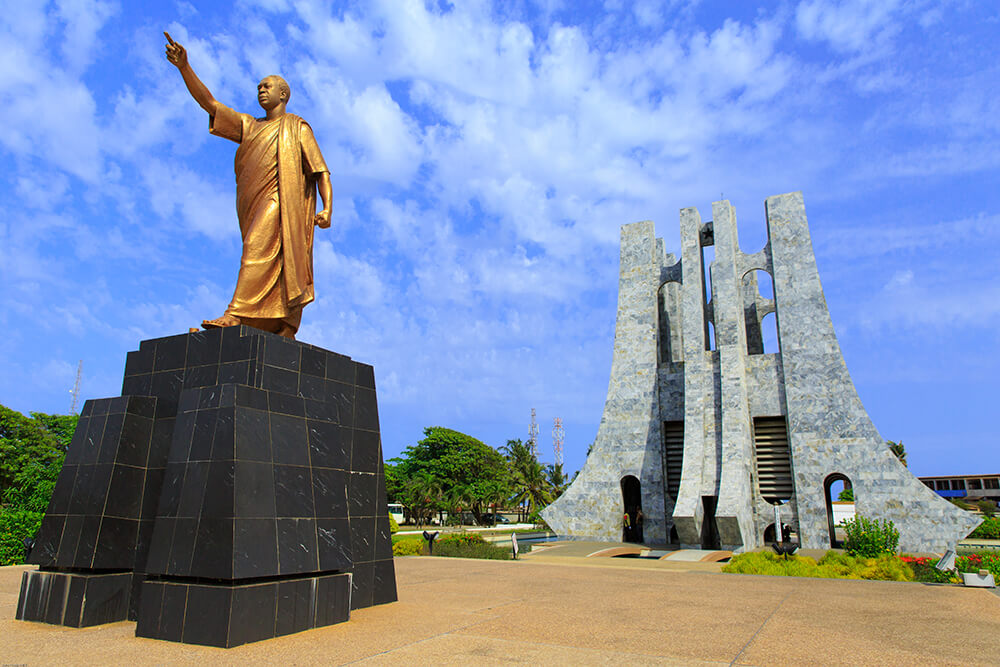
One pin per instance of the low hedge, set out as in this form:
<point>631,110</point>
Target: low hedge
<point>410,547</point>
<point>833,565</point>
<point>989,529</point>
<point>979,560</point>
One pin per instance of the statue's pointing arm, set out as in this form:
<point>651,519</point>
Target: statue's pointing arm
<point>177,55</point>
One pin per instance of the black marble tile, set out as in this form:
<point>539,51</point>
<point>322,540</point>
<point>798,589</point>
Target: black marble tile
<point>235,372</point>
<point>227,397</point>
<point>363,539</point>
<point>116,544</point>
<point>117,405</point>
<point>361,494</point>
<point>170,353</point>
<point>295,607</point>
<point>88,408</point>
<point>166,387</point>
<point>289,440</point>
<point>110,438</point>
<point>330,488</point>
<point>139,361</point>
<point>133,447</point>
<point>364,376</point>
<point>322,410</point>
<point>159,442</point>
<point>180,444</point>
<point>88,542</point>
<point>171,626</point>
<point>74,601</point>
<point>330,445</point>
<point>333,538</point>
<point>297,550</point>
<point>203,348</point>
<point>158,557</point>
<point>193,489</point>
<point>365,410</point>
<point>340,368</point>
<point>281,353</point>
<point>141,406</point>
<point>79,441</point>
<point>236,346</point>
<point>150,603</point>
<point>66,556</point>
<point>101,406</point>
<point>313,362</point>
<point>63,491</point>
<point>255,548</point>
<point>125,496</point>
<point>224,441</point>
<point>366,451</point>
<point>253,435</point>
<point>100,484</point>
<point>249,397</point>
<point>383,538</point>
<point>285,404</point>
<point>213,551</point>
<point>280,379</point>
<point>182,547</point>
<point>342,395</point>
<point>188,400</point>
<point>333,599</point>
<point>207,619</point>
<point>293,494</point>
<point>220,491</point>
<point>253,613</point>
<point>57,591</point>
<point>363,580</point>
<point>384,582</point>
<point>46,549</point>
<point>203,436</point>
<point>92,442</point>
<point>137,385</point>
<point>170,493</point>
<point>312,387</point>
<point>254,495</point>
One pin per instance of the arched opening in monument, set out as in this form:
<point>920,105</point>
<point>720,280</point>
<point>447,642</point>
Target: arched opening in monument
<point>632,518</point>
<point>710,336</point>
<point>769,534</point>
<point>709,526</point>
<point>762,332</point>
<point>769,333</point>
<point>668,301</point>
<point>674,537</point>
<point>707,255</point>
<point>838,508</point>
<point>773,457</point>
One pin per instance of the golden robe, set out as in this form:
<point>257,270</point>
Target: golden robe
<point>276,165</point>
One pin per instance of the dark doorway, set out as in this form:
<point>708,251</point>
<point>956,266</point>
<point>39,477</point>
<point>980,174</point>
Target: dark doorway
<point>709,529</point>
<point>838,484</point>
<point>769,534</point>
<point>632,519</point>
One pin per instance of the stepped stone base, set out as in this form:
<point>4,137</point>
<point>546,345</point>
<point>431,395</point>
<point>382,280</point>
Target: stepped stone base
<point>231,614</point>
<point>73,599</point>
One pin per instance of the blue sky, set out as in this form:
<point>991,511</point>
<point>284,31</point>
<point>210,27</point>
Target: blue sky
<point>483,159</point>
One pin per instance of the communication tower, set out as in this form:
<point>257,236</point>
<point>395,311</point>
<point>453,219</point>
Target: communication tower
<point>76,388</point>
<point>558,433</point>
<point>533,435</point>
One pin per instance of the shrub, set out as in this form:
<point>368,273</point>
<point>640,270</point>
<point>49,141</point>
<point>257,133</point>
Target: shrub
<point>924,570</point>
<point>980,560</point>
<point>870,538</point>
<point>480,549</point>
<point>413,547</point>
<point>989,529</point>
<point>15,525</point>
<point>987,507</point>
<point>833,565</point>
<point>393,526</point>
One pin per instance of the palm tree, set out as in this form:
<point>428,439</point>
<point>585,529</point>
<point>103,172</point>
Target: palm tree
<point>423,494</point>
<point>557,479</point>
<point>897,449</point>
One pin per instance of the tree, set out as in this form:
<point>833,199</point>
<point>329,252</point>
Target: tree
<point>846,495</point>
<point>897,449</point>
<point>459,465</point>
<point>528,477</point>
<point>32,450</point>
<point>558,482</point>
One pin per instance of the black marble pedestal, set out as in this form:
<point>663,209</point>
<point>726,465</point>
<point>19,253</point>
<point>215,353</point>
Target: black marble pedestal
<point>235,462</point>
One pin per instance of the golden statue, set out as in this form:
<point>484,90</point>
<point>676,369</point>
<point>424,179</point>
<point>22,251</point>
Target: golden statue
<point>278,170</point>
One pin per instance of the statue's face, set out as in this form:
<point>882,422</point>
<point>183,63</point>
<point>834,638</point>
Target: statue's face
<point>269,93</point>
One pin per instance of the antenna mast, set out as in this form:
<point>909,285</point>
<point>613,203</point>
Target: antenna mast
<point>76,388</point>
<point>533,435</point>
<point>558,433</point>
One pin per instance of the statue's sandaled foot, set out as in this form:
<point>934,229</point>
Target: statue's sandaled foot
<point>221,322</point>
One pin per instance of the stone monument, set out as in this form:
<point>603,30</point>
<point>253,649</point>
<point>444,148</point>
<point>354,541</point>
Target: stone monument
<point>235,490</point>
<point>706,434</point>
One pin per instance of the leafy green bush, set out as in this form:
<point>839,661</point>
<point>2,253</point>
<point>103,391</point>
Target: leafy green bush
<point>472,550</point>
<point>414,547</point>
<point>989,529</point>
<point>393,526</point>
<point>987,507</point>
<point>924,570</point>
<point>870,538</point>
<point>833,565</point>
<point>15,525</point>
<point>980,560</point>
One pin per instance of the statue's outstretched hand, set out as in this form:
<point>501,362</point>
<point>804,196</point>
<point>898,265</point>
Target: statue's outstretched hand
<point>323,219</point>
<point>176,53</point>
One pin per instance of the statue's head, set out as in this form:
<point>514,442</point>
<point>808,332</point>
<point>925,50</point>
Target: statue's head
<point>272,91</point>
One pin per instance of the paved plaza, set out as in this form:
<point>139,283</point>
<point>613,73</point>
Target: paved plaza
<point>549,609</point>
